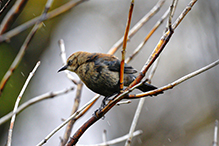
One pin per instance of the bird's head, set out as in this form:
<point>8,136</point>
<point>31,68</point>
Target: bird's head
<point>72,63</point>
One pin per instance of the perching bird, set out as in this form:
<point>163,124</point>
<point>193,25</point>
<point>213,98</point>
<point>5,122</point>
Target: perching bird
<point>100,72</point>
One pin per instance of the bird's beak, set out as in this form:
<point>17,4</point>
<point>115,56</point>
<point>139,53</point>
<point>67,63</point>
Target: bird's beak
<point>63,68</point>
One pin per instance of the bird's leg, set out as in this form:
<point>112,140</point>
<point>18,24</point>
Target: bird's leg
<point>103,104</point>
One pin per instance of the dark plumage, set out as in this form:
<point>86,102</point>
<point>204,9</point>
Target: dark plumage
<point>100,72</point>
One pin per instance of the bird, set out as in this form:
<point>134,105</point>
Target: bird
<point>100,72</point>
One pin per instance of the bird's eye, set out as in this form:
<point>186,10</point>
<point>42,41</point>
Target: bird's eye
<point>70,62</point>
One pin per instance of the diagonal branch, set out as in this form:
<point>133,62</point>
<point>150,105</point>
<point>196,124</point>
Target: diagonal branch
<point>23,48</point>
<point>18,101</point>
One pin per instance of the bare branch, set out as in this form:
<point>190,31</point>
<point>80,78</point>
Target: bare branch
<point>18,101</point>
<point>11,15</point>
<point>23,48</point>
<point>137,26</point>
<point>63,57</point>
<point>28,24</point>
<point>122,64</point>
<point>115,141</point>
<point>33,101</point>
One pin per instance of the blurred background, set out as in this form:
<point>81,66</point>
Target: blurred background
<point>184,115</point>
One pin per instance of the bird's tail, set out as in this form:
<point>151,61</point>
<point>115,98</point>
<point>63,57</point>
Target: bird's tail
<point>144,87</point>
<point>148,87</point>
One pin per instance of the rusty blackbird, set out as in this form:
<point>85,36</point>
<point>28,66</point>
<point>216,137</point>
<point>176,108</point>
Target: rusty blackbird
<point>100,72</point>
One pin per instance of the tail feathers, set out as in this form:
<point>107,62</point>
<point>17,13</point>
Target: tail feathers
<point>148,87</point>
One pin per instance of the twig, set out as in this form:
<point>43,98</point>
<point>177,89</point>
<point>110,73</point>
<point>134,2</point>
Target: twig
<point>115,141</point>
<point>33,101</point>
<point>28,24</point>
<point>5,5</point>
<point>183,14</point>
<point>12,15</point>
<point>23,48</point>
<point>215,133</point>
<point>137,26</point>
<point>18,101</point>
<point>172,10</point>
<point>63,57</point>
<point>77,114</point>
<point>139,108</point>
<point>141,45</point>
<point>104,137</point>
<point>123,102</point>
<point>122,64</point>
<point>74,109</point>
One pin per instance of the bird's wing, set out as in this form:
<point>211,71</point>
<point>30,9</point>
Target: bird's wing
<point>113,64</point>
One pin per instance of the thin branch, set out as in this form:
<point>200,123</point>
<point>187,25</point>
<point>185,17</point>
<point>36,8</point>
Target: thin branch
<point>115,141</point>
<point>137,26</point>
<point>122,64</point>
<point>215,143</point>
<point>26,25</point>
<point>18,101</point>
<point>63,57</point>
<point>161,45</point>
<point>139,108</point>
<point>74,109</point>
<point>172,10</point>
<point>141,45</point>
<point>33,101</point>
<point>184,13</point>
<point>12,15</point>
<point>5,5</point>
<point>23,48</point>
<point>77,114</point>
<point>104,137</point>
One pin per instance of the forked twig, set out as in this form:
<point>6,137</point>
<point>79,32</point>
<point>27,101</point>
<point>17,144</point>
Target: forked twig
<point>137,26</point>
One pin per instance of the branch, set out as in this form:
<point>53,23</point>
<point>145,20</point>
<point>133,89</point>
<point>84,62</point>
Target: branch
<point>137,26</point>
<point>139,108</point>
<point>23,48</point>
<point>63,57</point>
<point>122,64</point>
<point>54,13</point>
<point>141,45</point>
<point>161,44</point>
<point>76,115</point>
<point>115,141</point>
<point>33,101</point>
<point>18,101</point>
<point>11,15</point>
<point>74,109</point>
